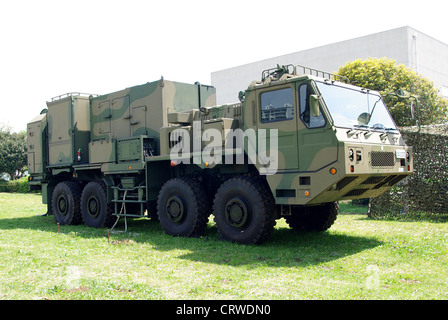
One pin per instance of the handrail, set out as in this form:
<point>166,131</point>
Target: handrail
<point>71,94</point>
<point>279,71</point>
<point>325,74</point>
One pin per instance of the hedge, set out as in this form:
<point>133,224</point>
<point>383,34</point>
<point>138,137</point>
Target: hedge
<point>15,186</point>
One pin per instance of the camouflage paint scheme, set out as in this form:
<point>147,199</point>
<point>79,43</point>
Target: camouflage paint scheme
<point>306,155</point>
<point>80,134</point>
<point>124,138</point>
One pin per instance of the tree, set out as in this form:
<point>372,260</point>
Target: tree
<point>385,76</point>
<point>12,152</point>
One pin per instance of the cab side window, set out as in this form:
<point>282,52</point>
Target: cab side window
<point>308,119</point>
<point>277,105</point>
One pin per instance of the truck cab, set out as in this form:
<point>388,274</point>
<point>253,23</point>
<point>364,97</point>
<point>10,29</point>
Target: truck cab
<point>336,141</point>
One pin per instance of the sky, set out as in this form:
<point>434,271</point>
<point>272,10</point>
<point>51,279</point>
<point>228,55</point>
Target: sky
<point>48,48</point>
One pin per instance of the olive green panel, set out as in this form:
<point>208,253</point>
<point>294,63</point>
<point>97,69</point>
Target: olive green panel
<point>120,117</point>
<point>59,132</point>
<point>101,151</point>
<point>81,128</point>
<point>129,150</point>
<point>36,144</point>
<point>31,165</point>
<point>100,119</point>
<point>139,120</point>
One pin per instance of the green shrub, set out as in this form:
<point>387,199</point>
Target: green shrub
<point>3,185</point>
<point>16,186</point>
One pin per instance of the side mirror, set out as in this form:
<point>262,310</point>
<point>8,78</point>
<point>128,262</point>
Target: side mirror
<point>364,119</point>
<point>403,94</point>
<point>314,105</point>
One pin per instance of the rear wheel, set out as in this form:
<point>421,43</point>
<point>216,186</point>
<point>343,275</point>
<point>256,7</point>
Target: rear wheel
<point>244,210</point>
<point>181,207</point>
<point>65,203</point>
<point>313,218</point>
<point>96,211</point>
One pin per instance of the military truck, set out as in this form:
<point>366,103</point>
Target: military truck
<point>296,143</point>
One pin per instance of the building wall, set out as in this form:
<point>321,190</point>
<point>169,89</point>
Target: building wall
<point>405,45</point>
<point>432,59</point>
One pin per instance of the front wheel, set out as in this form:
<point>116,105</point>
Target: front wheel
<point>244,210</point>
<point>314,218</point>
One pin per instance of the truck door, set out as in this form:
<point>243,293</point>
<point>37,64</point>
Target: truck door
<point>317,140</point>
<point>277,110</point>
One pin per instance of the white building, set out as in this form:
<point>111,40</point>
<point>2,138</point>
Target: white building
<point>405,45</point>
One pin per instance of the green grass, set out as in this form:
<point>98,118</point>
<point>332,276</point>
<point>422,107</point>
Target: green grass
<point>358,258</point>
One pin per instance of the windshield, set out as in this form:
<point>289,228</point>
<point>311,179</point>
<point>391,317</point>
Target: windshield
<point>355,108</point>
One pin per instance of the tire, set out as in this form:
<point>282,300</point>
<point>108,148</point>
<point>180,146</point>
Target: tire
<point>316,218</point>
<point>244,210</point>
<point>96,212</point>
<point>181,207</point>
<point>65,203</point>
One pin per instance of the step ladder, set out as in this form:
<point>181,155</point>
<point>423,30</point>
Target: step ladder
<point>129,200</point>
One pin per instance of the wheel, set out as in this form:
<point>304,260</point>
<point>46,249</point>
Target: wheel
<point>315,218</point>
<point>96,212</point>
<point>244,210</point>
<point>181,207</point>
<point>65,203</point>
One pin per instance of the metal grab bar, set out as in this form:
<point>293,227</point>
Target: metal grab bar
<point>277,72</point>
<point>324,74</point>
<point>72,94</point>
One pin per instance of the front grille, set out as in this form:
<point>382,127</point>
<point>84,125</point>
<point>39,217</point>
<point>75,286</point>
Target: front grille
<point>382,159</point>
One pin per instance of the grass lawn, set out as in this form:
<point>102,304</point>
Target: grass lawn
<point>358,258</point>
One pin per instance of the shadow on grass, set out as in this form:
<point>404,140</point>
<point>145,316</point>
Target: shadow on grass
<point>285,247</point>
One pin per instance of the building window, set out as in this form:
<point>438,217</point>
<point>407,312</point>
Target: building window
<point>277,105</point>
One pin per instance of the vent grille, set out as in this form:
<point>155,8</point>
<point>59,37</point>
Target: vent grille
<point>382,159</point>
<point>373,180</point>
<point>379,185</point>
<point>176,137</point>
<point>343,183</point>
<point>355,192</point>
<point>396,180</point>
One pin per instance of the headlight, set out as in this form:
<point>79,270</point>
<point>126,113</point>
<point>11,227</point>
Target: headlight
<point>351,154</point>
